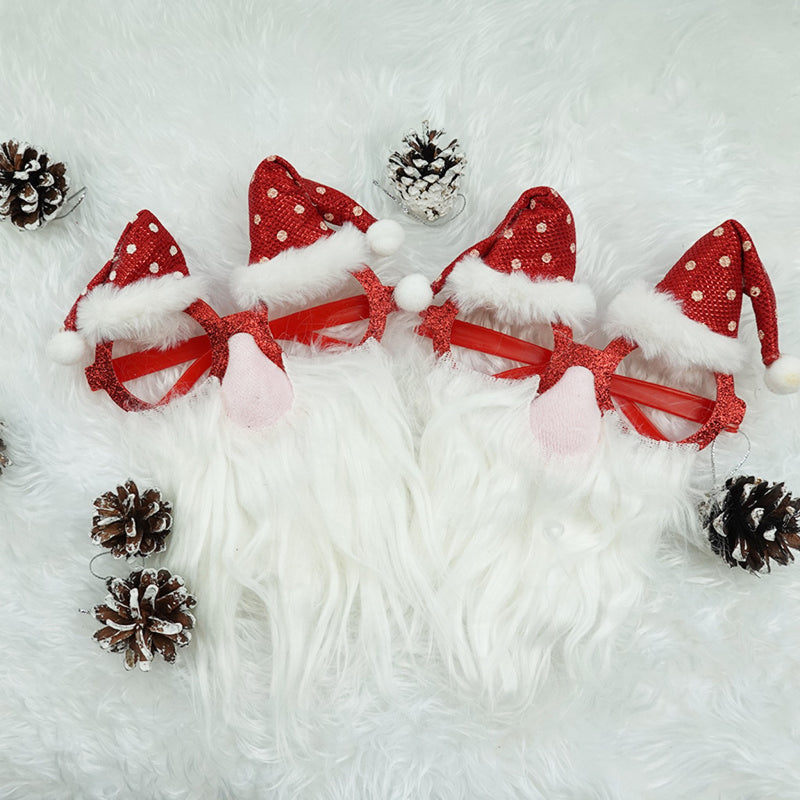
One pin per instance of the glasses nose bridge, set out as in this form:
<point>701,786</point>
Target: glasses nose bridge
<point>565,417</point>
<point>255,323</point>
<point>602,364</point>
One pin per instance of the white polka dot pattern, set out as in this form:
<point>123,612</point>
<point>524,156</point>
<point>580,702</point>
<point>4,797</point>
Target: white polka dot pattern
<point>711,278</point>
<point>536,239</point>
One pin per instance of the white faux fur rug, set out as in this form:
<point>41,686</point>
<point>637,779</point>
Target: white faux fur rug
<point>396,599</point>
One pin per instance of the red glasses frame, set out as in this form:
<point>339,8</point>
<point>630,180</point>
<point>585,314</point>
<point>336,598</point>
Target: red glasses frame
<point>724,413</point>
<point>110,373</point>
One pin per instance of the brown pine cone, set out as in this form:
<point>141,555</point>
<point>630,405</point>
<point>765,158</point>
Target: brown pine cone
<point>4,460</point>
<point>31,188</point>
<point>145,614</point>
<point>751,522</point>
<point>131,525</point>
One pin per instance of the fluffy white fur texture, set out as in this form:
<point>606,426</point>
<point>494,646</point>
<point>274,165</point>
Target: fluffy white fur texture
<point>656,322</point>
<point>301,274</point>
<point>149,311</point>
<point>544,562</point>
<point>299,541</point>
<point>654,121</point>
<point>515,298</point>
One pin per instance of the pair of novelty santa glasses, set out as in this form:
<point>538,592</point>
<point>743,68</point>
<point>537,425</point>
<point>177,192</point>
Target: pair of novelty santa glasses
<point>206,354</point>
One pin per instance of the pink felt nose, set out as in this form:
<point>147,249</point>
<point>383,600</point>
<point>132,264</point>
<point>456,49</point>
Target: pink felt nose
<point>565,419</point>
<point>255,391</point>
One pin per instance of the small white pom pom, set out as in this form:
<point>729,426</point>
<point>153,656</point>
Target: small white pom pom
<point>783,376</point>
<point>68,347</point>
<point>413,293</point>
<point>385,236</point>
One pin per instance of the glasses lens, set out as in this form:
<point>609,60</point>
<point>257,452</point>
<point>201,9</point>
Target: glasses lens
<point>674,407</point>
<point>153,370</point>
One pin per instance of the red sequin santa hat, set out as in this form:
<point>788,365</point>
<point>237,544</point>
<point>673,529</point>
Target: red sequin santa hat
<point>295,254</point>
<point>523,271</point>
<point>139,294</point>
<point>693,313</point>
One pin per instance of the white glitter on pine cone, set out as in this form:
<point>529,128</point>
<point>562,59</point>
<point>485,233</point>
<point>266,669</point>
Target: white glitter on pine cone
<point>425,178</point>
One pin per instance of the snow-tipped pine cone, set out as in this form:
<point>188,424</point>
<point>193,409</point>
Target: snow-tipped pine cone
<point>425,174</point>
<point>131,524</point>
<point>751,522</point>
<point>32,189</point>
<point>145,614</point>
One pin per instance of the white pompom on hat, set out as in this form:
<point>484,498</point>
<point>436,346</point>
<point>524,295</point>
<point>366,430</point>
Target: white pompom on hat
<point>68,347</point>
<point>413,293</point>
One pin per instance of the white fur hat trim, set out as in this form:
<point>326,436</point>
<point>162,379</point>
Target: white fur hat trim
<point>298,274</point>
<point>515,298</point>
<point>655,321</point>
<point>148,310</point>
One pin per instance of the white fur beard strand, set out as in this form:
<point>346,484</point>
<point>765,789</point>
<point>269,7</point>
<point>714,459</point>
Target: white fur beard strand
<point>545,562</point>
<point>295,541</point>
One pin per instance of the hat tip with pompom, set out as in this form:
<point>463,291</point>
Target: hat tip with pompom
<point>413,293</point>
<point>67,347</point>
<point>385,236</point>
<point>783,375</point>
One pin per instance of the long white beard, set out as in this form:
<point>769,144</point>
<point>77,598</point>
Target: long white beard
<point>543,559</point>
<point>295,540</point>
